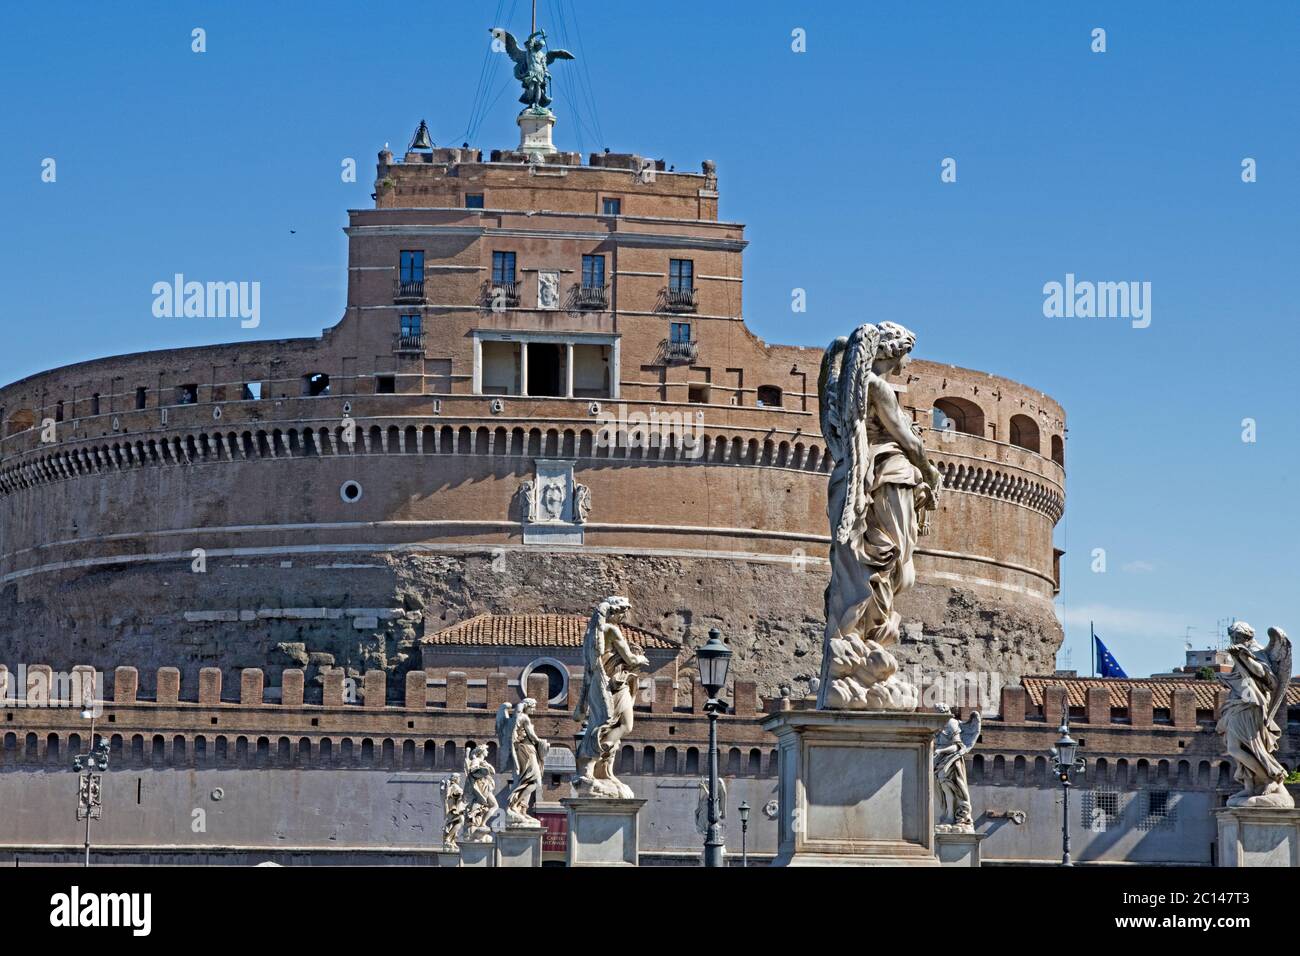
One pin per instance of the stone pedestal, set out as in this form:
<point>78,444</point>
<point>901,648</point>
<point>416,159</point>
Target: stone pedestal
<point>478,854</point>
<point>1258,836</point>
<point>447,858</point>
<point>535,132</point>
<point>957,848</point>
<point>855,787</point>
<point>602,831</point>
<point>519,846</point>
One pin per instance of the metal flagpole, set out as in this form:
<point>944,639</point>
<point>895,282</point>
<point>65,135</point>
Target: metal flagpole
<point>534,30</point>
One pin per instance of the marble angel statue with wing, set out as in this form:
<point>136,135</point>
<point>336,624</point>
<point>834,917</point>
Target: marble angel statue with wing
<point>1248,719</point>
<point>951,745</point>
<point>880,488</point>
<point>610,674</point>
<point>524,756</point>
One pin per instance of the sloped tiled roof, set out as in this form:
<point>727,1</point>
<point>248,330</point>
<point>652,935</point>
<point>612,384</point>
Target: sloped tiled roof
<point>536,630</point>
<point>1162,690</point>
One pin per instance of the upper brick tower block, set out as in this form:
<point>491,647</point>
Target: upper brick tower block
<point>611,184</point>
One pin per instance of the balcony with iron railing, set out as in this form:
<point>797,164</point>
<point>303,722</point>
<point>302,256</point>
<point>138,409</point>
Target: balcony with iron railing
<point>408,290</point>
<point>679,300</point>
<point>592,298</point>
<point>679,352</point>
<point>408,342</point>
<point>501,294</point>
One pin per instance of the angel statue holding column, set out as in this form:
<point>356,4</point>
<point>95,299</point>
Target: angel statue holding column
<point>532,62</point>
<point>881,488</point>
<point>1257,689</point>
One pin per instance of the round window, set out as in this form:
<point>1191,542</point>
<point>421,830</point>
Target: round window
<point>557,678</point>
<point>350,492</point>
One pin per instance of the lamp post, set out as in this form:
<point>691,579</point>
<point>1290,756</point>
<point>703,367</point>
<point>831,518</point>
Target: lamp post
<point>743,809</point>
<point>90,790</point>
<point>1065,753</point>
<point>714,658</point>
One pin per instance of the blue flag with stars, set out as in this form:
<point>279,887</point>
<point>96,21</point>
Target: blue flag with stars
<point>1107,666</point>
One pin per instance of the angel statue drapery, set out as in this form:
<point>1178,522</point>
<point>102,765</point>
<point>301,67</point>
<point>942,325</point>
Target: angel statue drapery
<point>453,810</point>
<point>524,755</point>
<point>880,488</point>
<point>951,745</point>
<point>481,802</point>
<point>532,61</point>
<point>1257,688</point>
<point>609,680</point>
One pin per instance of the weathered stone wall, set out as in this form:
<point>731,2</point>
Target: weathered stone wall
<point>367,610</point>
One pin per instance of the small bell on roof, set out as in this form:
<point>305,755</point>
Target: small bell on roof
<point>422,139</point>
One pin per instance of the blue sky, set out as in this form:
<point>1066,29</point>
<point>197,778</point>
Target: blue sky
<point>1123,165</point>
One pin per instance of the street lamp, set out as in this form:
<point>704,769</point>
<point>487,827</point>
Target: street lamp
<point>743,809</point>
<point>713,659</point>
<point>1065,753</point>
<point>90,805</point>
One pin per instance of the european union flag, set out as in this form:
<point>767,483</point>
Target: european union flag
<point>1107,666</point>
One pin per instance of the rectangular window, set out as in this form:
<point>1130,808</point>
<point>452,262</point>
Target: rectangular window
<point>473,200</point>
<point>385,385</point>
<point>681,275</point>
<point>679,332</point>
<point>187,394</point>
<point>612,207</point>
<point>412,265</point>
<point>94,404</point>
<point>412,326</point>
<point>503,268</point>
<point>141,397</point>
<point>252,392</point>
<point>593,272</point>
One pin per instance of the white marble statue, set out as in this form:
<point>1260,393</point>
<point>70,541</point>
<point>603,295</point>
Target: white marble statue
<point>609,681</point>
<point>951,745</point>
<point>481,805</point>
<point>880,489</point>
<point>702,805</point>
<point>1248,719</point>
<point>581,503</point>
<point>525,755</point>
<point>453,810</point>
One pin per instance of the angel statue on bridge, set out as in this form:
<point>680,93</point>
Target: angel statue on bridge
<point>532,62</point>
<point>951,745</point>
<point>880,489</point>
<point>1257,690</point>
<point>524,755</point>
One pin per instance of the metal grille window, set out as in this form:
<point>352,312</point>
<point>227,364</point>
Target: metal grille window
<point>593,272</point>
<point>681,275</point>
<point>412,265</point>
<point>411,326</point>
<point>503,268</point>
<point>1160,810</point>
<point>679,332</point>
<point>1100,809</point>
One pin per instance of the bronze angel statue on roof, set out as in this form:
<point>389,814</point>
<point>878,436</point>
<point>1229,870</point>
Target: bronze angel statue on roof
<point>881,488</point>
<point>1248,721</point>
<point>532,62</point>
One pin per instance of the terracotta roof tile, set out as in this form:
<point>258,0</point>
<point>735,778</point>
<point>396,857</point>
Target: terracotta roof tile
<point>1162,689</point>
<point>536,630</point>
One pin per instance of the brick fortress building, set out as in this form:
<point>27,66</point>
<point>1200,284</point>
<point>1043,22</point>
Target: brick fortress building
<point>439,454</point>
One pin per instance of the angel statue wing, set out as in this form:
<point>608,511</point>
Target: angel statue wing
<point>970,731</point>
<point>855,376</point>
<point>505,727</point>
<point>553,55</point>
<point>1278,653</point>
<point>513,49</point>
<point>828,390</point>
